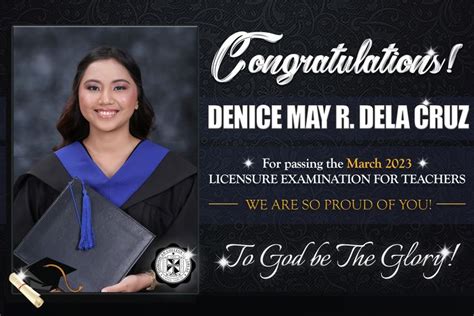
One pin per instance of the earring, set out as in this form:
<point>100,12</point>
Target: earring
<point>136,107</point>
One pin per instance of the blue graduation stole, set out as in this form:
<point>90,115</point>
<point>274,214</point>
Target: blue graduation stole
<point>126,181</point>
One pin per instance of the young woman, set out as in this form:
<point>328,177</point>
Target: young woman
<point>105,125</point>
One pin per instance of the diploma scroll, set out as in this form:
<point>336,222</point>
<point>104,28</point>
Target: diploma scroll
<point>26,290</point>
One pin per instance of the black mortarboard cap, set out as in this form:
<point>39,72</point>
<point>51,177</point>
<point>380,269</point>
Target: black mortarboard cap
<point>119,241</point>
<point>48,272</point>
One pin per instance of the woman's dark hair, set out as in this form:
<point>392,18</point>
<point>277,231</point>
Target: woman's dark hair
<point>74,127</point>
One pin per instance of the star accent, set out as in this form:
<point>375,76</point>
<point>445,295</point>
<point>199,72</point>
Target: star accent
<point>431,52</point>
<point>223,262</point>
<point>189,254</point>
<point>426,102</point>
<point>22,275</point>
<point>422,163</point>
<point>248,163</point>
<point>445,252</point>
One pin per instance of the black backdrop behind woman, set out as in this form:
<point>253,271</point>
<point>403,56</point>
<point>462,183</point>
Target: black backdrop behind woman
<point>44,63</point>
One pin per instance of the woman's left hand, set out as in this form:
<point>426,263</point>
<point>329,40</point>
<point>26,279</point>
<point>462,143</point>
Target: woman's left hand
<point>131,283</point>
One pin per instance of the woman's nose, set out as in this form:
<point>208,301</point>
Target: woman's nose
<point>106,98</point>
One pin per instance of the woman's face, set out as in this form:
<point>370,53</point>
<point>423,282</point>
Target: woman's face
<point>107,96</point>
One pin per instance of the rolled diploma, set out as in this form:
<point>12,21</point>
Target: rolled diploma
<point>26,290</point>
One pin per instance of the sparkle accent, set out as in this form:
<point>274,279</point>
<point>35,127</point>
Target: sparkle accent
<point>423,163</point>
<point>189,254</point>
<point>431,52</point>
<point>445,252</point>
<point>248,163</point>
<point>223,262</point>
<point>426,102</point>
<point>22,275</point>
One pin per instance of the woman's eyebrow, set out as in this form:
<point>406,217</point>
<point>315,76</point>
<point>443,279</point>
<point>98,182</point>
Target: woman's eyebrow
<point>92,80</point>
<point>114,81</point>
<point>118,80</point>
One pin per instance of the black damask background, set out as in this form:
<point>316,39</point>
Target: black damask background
<point>309,27</point>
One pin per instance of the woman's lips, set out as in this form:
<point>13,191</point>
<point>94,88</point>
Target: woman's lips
<point>106,114</point>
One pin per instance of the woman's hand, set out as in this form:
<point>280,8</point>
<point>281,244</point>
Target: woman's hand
<point>131,283</point>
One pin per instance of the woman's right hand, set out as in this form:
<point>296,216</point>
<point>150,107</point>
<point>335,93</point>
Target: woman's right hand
<point>131,283</point>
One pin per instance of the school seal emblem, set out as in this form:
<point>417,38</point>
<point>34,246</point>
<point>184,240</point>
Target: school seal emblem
<point>173,265</point>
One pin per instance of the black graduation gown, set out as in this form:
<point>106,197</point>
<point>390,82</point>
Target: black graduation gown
<point>166,204</point>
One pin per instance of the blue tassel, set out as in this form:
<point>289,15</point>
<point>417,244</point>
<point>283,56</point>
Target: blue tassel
<point>87,235</point>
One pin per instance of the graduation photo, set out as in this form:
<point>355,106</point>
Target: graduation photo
<point>104,135</point>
